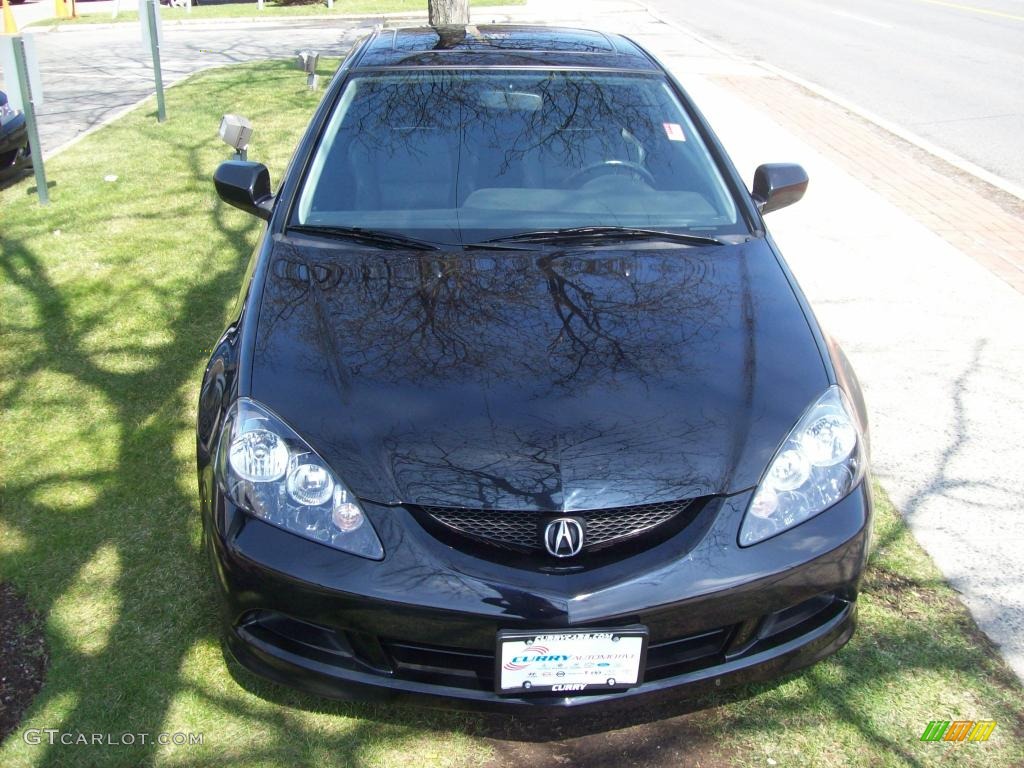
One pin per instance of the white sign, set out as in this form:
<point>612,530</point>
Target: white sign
<point>144,20</point>
<point>11,70</point>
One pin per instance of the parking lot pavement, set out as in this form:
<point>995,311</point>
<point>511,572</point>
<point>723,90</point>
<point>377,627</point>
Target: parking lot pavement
<point>914,269</point>
<point>92,73</point>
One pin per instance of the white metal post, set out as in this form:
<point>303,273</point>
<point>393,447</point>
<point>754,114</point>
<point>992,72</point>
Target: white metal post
<point>28,108</point>
<point>151,31</point>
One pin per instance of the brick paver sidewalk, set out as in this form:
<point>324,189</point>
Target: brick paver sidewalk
<point>982,222</point>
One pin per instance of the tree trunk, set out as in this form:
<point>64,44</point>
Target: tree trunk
<point>448,12</point>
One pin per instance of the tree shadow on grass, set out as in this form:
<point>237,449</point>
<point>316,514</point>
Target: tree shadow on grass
<point>124,542</point>
<point>164,602</point>
<point>163,587</point>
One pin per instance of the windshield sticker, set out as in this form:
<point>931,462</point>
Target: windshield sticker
<point>674,131</point>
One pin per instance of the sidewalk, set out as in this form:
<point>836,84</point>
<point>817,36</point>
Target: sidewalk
<point>918,275</point>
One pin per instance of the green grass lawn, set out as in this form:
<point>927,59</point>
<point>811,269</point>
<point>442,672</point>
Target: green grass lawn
<point>917,656</point>
<point>110,299</point>
<point>249,10</point>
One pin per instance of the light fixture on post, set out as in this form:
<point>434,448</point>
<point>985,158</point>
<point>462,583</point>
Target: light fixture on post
<point>307,61</point>
<point>235,131</point>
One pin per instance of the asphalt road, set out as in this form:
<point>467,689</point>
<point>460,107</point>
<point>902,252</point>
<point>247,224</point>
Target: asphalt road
<point>950,71</point>
<point>90,74</point>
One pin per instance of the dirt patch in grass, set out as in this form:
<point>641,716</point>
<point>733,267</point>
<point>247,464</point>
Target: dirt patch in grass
<point>22,658</point>
<point>894,589</point>
<point>690,741</point>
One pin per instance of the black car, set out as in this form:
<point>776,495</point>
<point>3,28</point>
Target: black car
<point>521,406</point>
<point>15,158</point>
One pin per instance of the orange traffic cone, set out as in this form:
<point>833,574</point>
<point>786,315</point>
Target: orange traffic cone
<point>10,28</point>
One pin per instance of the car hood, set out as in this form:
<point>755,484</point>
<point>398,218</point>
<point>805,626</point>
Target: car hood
<point>529,380</point>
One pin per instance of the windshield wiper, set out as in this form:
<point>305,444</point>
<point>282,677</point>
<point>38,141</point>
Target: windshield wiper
<point>582,234</point>
<point>368,236</point>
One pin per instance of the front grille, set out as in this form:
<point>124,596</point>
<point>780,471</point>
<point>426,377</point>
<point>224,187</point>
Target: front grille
<point>515,529</point>
<point>525,530</point>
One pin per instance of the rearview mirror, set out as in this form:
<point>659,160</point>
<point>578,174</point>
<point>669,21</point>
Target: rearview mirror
<point>245,185</point>
<point>777,185</point>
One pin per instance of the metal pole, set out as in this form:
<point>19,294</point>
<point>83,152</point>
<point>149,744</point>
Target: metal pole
<point>154,49</point>
<point>30,120</point>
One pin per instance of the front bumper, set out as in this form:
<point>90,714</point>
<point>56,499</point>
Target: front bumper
<point>420,625</point>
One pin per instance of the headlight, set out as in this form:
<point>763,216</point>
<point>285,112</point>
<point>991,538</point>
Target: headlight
<point>819,463</point>
<point>270,472</point>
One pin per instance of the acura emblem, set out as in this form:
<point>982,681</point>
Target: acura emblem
<point>563,537</point>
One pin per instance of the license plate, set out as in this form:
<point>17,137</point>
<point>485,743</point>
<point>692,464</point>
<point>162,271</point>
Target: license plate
<point>579,661</point>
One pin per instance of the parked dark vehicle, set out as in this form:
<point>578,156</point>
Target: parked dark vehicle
<point>521,406</point>
<point>15,158</point>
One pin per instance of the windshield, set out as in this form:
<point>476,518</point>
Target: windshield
<point>457,156</point>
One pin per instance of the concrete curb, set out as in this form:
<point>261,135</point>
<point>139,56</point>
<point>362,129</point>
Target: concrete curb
<point>923,144</point>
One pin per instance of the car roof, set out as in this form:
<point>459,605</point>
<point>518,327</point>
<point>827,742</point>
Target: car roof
<point>502,45</point>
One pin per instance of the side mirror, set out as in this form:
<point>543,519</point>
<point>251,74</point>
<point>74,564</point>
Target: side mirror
<point>777,185</point>
<point>245,185</point>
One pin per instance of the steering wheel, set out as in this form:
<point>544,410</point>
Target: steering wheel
<point>584,175</point>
